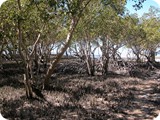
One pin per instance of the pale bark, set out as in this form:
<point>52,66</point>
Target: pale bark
<point>83,51</point>
<point>59,56</point>
<point>90,59</point>
<point>137,51</point>
<point>105,55</point>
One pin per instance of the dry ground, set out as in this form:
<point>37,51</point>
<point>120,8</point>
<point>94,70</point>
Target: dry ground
<point>79,97</point>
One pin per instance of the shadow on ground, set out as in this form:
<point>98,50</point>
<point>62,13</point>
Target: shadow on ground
<point>85,98</point>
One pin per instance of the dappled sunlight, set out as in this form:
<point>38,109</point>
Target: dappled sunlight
<point>86,97</point>
<point>135,112</point>
<point>79,96</point>
<point>79,60</point>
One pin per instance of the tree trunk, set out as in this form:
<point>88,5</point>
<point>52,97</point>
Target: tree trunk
<point>152,56</point>
<point>105,65</point>
<point>28,88</point>
<point>59,56</point>
<point>138,59</point>
<point>29,92</point>
<point>88,59</point>
<point>88,65</point>
<point>105,55</point>
<point>1,60</point>
<point>93,64</point>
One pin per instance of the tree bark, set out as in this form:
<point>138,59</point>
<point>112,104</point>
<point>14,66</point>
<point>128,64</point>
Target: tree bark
<point>137,51</point>
<point>138,60</point>
<point>105,55</point>
<point>1,60</point>
<point>152,56</point>
<point>59,56</point>
<point>29,92</point>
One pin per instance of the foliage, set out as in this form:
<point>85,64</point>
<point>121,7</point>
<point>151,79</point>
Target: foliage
<point>39,24</point>
<point>151,25</point>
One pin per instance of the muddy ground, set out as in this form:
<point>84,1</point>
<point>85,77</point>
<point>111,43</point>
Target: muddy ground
<point>81,97</point>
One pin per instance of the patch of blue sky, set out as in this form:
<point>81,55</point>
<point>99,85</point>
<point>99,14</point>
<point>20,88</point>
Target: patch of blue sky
<point>146,5</point>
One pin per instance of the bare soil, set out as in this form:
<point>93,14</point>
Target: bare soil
<point>81,97</point>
